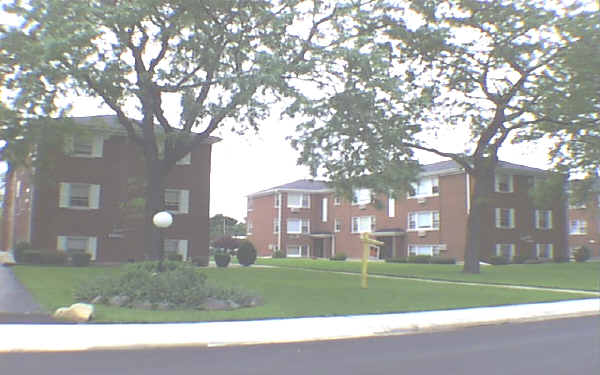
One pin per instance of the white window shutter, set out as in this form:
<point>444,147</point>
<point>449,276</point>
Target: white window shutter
<point>498,218</point>
<point>391,207</point>
<point>324,210</point>
<point>182,249</point>
<point>512,218</point>
<point>61,243</point>
<point>64,194</point>
<point>184,201</point>
<point>550,223</point>
<point>92,247</point>
<point>95,196</point>
<point>537,219</point>
<point>97,146</point>
<point>69,144</point>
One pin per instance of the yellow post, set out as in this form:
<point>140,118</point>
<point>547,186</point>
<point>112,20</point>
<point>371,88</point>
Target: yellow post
<point>367,242</point>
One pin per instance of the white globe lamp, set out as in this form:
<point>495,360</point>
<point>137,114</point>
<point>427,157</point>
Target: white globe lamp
<point>162,219</point>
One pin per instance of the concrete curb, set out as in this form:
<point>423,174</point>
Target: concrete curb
<point>69,337</point>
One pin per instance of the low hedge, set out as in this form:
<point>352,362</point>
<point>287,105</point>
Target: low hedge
<point>47,257</point>
<point>339,256</point>
<point>437,259</point>
<point>80,258</point>
<point>174,256</point>
<point>396,260</point>
<point>498,260</point>
<point>423,259</point>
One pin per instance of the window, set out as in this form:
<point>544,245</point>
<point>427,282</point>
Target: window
<point>425,187</point>
<point>250,204</point>
<point>578,226</point>
<point>544,250</point>
<point>505,218</point>
<point>176,246</point>
<point>363,224</point>
<point>506,250</point>
<point>78,243</point>
<point>177,201</point>
<point>185,160</point>
<point>504,183</point>
<point>85,146</point>
<point>423,220</point>
<point>543,219</point>
<point>297,226</point>
<point>249,227</point>
<point>275,226</point>
<point>391,207</point>
<point>337,201</point>
<point>277,200</point>
<point>361,196</point>
<point>424,249</point>
<point>298,200</point>
<point>338,225</point>
<point>324,210</point>
<point>79,196</point>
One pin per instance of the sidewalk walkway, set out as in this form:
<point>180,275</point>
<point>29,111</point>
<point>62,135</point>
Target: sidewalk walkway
<point>14,298</point>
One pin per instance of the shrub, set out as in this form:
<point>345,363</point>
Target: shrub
<point>424,259</point>
<point>339,256</point>
<point>396,260</point>
<point>201,261</point>
<point>222,260</point>
<point>278,254</point>
<point>226,243</point>
<point>53,257</point>
<point>20,247</point>
<point>176,257</point>
<point>80,258</point>
<point>32,257</point>
<point>246,253</point>
<point>582,254</point>
<point>561,259</point>
<point>520,259</point>
<point>442,260</point>
<point>498,260</point>
<point>534,261</point>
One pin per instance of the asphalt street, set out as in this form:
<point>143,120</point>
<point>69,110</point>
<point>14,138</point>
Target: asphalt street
<point>563,346</point>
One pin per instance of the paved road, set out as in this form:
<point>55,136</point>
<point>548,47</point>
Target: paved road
<point>565,346</point>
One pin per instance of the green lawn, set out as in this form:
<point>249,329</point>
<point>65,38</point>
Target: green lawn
<point>582,276</point>
<point>288,293</point>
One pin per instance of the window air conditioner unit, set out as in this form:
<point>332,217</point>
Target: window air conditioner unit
<point>422,233</point>
<point>295,209</point>
<point>421,200</point>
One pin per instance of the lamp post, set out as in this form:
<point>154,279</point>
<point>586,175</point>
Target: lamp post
<point>162,220</point>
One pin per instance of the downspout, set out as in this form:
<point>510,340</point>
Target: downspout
<point>279,220</point>
<point>468,182</point>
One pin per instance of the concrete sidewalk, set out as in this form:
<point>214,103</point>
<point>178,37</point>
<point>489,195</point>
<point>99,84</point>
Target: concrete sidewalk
<point>70,337</point>
<point>14,298</point>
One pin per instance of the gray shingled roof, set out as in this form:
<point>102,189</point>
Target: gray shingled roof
<point>304,185</point>
<point>452,165</point>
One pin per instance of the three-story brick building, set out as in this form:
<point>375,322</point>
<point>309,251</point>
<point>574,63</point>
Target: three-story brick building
<point>306,218</point>
<point>584,221</point>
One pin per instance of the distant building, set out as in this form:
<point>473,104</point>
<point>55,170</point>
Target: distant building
<point>306,219</point>
<point>584,221</point>
<point>83,201</point>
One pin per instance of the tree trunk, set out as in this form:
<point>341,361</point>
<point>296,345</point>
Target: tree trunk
<point>8,208</point>
<point>483,177</point>
<point>154,197</point>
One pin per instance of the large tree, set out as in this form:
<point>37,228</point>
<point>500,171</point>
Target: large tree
<point>226,62</point>
<point>501,68</point>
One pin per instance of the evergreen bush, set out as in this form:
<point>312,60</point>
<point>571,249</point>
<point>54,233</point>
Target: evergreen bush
<point>19,249</point>
<point>442,260</point>
<point>339,256</point>
<point>396,260</point>
<point>498,260</point>
<point>80,258</point>
<point>423,259</point>
<point>582,254</point>
<point>246,253</point>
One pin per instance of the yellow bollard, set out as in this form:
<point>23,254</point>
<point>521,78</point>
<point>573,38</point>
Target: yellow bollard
<point>367,242</point>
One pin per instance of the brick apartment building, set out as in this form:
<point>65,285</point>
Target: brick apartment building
<point>80,203</point>
<point>306,219</point>
<point>584,222</point>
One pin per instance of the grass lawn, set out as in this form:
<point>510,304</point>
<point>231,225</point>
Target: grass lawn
<point>572,275</point>
<point>287,293</point>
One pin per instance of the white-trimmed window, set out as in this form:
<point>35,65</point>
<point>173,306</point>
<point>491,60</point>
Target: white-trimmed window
<point>506,250</point>
<point>298,200</point>
<point>176,246</point>
<point>78,243</point>
<point>504,183</point>
<point>363,224</point>
<point>505,218</point>
<point>276,200</point>
<point>297,226</point>
<point>425,187</point>
<point>543,219</point>
<point>338,225</point>
<point>297,251</point>
<point>421,220</point>
<point>424,249</point>
<point>324,207</point>
<point>544,250</point>
<point>85,146</point>
<point>361,196</point>
<point>337,200</point>
<point>177,201</point>
<point>79,196</point>
<point>391,206</point>
<point>275,226</point>
<point>578,226</point>
<point>249,227</point>
<point>185,160</point>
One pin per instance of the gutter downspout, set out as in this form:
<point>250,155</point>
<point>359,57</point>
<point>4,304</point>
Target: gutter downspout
<point>468,182</point>
<point>279,220</point>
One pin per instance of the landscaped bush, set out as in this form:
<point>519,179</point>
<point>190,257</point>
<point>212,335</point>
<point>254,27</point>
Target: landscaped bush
<point>582,254</point>
<point>534,261</point>
<point>58,258</point>
<point>201,261</point>
<point>226,243</point>
<point>520,259</point>
<point>180,286</point>
<point>561,259</point>
<point>32,257</point>
<point>396,260</point>
<point>246,253</point>
<point>19,249</point>
<point>176,257</point>
<point>80,258</point>
<point>498,260</point>
<point>442,260</point>
<point>424,259</point>
<point>339,256</point>
<point>278,254</point>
